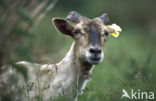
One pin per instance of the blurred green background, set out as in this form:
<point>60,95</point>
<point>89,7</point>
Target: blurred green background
<point>27,33</point>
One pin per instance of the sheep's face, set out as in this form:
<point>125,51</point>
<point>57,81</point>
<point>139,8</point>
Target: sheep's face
<point>89,35</point>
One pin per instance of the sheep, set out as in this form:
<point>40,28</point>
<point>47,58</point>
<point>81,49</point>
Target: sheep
<point>70,76</point>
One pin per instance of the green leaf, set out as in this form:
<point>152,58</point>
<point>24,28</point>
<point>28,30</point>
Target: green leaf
<point>14,79</point>
<point>4,3</point>
<point>2,25</point>
<point>24,53</point>
<point>25,14</point>
<point>21,69</point>
<point>46,87</point>
<point>19,31</point>
<point>30,86</point>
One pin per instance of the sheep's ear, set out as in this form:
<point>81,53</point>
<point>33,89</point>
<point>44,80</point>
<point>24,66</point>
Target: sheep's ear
<point>63,26</point>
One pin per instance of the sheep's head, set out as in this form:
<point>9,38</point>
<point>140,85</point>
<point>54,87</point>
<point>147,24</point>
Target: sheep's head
<point>90,34</point>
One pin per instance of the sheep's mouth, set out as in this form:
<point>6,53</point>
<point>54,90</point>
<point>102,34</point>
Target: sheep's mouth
<point>94,60</point>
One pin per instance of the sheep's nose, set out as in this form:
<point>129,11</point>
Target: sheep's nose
<point>95,50</point>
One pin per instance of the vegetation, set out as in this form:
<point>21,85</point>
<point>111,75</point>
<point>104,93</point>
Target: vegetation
<point>26,33</point>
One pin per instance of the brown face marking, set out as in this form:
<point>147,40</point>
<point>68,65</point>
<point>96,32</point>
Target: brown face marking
<point>94,35</point>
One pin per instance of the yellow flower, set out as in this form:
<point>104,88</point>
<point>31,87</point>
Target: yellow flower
<point>116,29</point>
<point>115,34</point>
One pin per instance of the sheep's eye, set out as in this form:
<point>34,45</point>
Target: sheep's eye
<point>106,33</point>
<point>77,31</point>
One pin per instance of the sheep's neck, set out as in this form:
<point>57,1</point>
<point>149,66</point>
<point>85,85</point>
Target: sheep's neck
<point>81,70</point>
